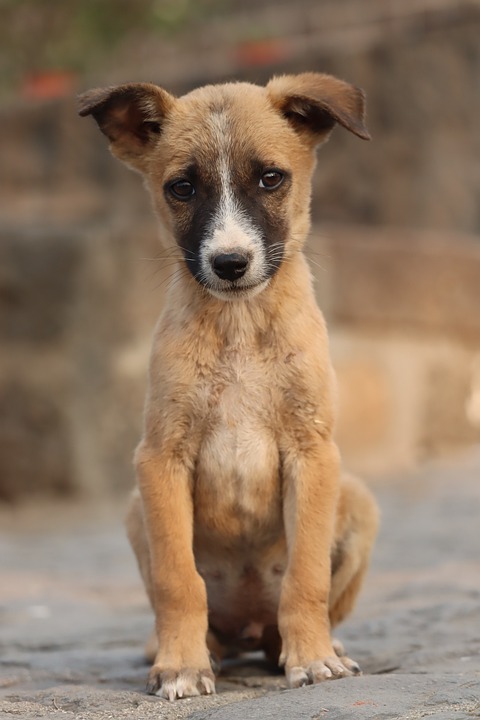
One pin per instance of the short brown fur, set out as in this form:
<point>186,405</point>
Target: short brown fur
<point>241,511</point>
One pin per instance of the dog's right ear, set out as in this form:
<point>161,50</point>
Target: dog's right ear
<point>131,116</point>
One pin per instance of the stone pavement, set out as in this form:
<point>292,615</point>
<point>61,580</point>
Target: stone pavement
<point>73,618</point>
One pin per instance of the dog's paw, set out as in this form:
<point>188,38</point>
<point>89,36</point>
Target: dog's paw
<point>329,668</point>
<point>171,684</point>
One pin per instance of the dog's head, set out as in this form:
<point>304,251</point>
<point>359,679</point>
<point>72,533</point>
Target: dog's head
<point>229,166</point>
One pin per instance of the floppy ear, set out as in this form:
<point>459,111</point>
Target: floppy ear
<point>131,116</point>
<point>313,102</point>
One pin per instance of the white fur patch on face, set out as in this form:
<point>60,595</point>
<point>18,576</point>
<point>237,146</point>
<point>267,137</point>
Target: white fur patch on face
<point>231,230</point>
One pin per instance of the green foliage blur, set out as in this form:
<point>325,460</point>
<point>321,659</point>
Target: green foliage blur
<point>38,36</point>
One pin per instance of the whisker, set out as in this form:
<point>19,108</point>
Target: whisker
<point>161,267</point>
<point>176,279</point>
<point>191,252</point>
<point>161,257</point>
<point>322,267</point>
<point>165,281</point>
<point>308,251</point>
<point>171,252</point>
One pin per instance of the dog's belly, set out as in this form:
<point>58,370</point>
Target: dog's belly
<point>237,478</point>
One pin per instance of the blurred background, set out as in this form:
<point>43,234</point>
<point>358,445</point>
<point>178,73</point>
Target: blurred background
<point>395,245</point>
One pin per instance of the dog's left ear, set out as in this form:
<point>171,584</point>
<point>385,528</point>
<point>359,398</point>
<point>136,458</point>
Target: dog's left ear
<point>131,116</point>
<point>314,102</point>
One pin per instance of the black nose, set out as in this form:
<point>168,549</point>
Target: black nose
<point>230,266</point>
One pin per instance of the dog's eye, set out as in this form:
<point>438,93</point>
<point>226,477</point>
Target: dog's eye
<point>182,189</point>
<point>271,179</point>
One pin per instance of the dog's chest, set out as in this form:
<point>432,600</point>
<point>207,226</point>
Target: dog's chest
<point>237,478</point>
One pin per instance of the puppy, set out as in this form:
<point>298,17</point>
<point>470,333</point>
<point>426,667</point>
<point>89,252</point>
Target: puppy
<point>245,532</point>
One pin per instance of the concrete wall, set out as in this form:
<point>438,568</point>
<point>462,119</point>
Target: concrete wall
<point>78,308</point>
<point>405,338</point>
<point>71,323</point>
<point>78,304</point>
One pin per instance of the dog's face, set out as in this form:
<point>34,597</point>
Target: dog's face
<point>229,166</point>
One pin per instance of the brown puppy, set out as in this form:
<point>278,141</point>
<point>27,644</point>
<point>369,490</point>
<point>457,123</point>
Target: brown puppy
<point>245,533</point>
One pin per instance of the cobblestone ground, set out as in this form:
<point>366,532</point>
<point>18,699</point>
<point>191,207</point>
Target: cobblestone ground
<point>73,618</point>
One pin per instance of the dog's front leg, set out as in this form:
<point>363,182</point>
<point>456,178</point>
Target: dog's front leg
<point>182,666</point>
<point>311,478</point>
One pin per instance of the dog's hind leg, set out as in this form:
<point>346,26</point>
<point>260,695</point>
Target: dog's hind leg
<point>135,525</point>
<point>137,535</point>
<point>356,528</point>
